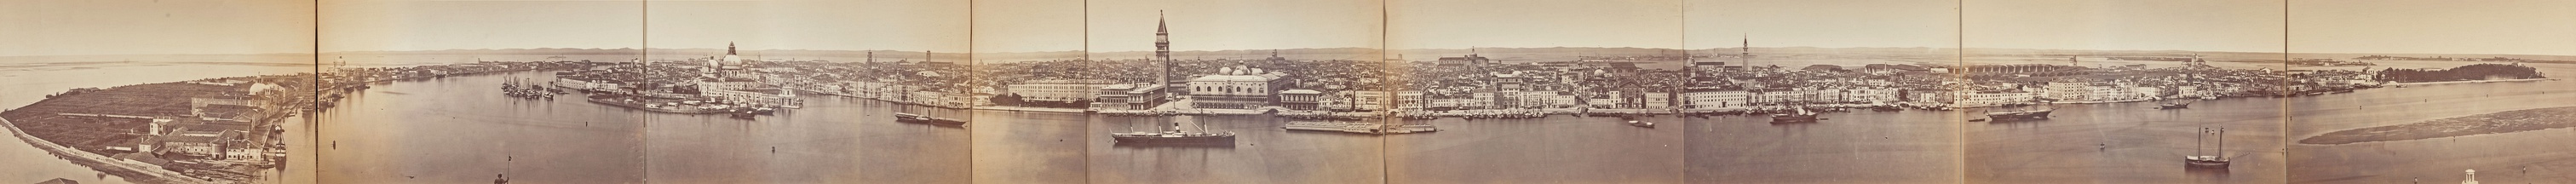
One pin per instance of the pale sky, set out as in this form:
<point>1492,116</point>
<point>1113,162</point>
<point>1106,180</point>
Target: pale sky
<point>364,25</point>
<point>2440,27</point>
<point>1460,24</point>
<point>1028,25</point>
<point>909,25</point>
<point>120,27</point>
<point>1821,23</point>
<point>90,27</point>
<point>389,25</point>
<point>1128,25</point>
<point>2196,25</point>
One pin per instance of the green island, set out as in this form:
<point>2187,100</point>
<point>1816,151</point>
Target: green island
<point>2499,122</point>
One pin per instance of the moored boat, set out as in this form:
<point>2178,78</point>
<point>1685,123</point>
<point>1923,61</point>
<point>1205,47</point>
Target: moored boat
<point>2173,106</point>
<point>1176,136</point>
<point>1800,115</point>
<point>917,118</point>
<point>2020,114</point>
<point>2024,112</point>
<point>2173,103</point>
<point>2208,161</point>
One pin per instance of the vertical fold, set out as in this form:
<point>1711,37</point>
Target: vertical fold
<point>1038,126</point>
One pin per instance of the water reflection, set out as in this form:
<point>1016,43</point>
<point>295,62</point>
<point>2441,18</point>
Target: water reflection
<point>1228,144</point>
<point>2207,174</point>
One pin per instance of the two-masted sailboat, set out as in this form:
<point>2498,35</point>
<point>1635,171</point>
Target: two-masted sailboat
<point>2208,161</point>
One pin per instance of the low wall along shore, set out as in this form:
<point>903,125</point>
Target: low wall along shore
<point>2490,123</point>
<point>145,173</point>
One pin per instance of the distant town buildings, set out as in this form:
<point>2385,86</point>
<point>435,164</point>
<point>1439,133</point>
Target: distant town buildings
<point>1059,90</point>
<point>1130,97</point>
<point>2019,69</point>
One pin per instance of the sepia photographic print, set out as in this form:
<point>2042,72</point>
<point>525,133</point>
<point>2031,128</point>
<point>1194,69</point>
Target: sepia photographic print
<point>1320,91</point>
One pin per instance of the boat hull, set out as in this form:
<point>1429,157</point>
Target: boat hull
<point>1185,140</point>
<point>2018,115</point>
<point>919,119</point>
<point>1641,124</point>
<point>2173,106</point>
<point>1793,119</point>
<point>932,121</point>
<point>2205,163</point>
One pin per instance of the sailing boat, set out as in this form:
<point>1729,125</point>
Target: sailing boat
<point>1175,135</point>
<point>2023,112</point>
<point>1797,114</point>
<point>2173,103</point>
<point>2208,161</point>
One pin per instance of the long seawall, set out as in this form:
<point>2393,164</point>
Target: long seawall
<point>140,172</point>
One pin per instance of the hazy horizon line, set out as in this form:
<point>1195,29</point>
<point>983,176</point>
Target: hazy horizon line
<point>1238,50</point>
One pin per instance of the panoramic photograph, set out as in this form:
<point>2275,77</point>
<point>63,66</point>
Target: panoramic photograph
<point>2396,93</point>
<point>2131,93</point>
<point>1534,91</point>
<point>407,92</point>
<point>1804,91</point>
<point>156,91</point>
<point>1325,91</point>
<point>642,92</point>
<point>1224,91</point>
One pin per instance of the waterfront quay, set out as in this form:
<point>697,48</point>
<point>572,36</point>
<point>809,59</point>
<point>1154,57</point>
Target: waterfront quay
<point>1467,86</point>
<point>1039,126</point>
<point>377,135</point>
<point>1474,86</point>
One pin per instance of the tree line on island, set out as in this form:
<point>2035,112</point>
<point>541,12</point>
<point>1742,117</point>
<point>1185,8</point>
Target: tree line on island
<point>2462,73</point>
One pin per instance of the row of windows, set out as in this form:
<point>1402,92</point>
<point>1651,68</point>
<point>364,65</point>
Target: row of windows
<point>1228,89</point>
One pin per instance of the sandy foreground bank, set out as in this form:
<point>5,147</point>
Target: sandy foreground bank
<point>2499,122</point>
